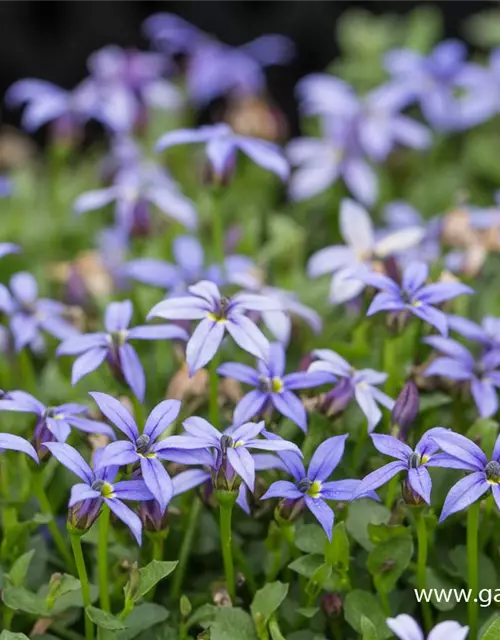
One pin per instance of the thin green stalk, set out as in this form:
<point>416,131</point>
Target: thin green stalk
<point>486,528</point>
<point>422,541</point>
<point>102,558</point>
<point>138,411</point>
<point>185,552</point>
<point>384,601</point>
<point>26,371</point>
<point>218,228</point>
<point>226,500</point>
<point>472,568</point>
<point>391,492</point>
<point>157,540</point>
<point>57,536</point>
<point>275,630</point>
<point>8,615</point>
<point>357,454</point>
<point>76,545</point>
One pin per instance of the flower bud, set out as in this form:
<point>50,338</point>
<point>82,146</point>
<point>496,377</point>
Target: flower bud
<point>224,477</point>
<point>132,587</point>
<point>288,511</point>
<point>406,408</point>
<point>410,496</point>
<point>141,220</point>
<point>42,434</point>
<point>82,515</point>
<point>336,400</point>
<point>152,518</point>
<point>332,604</point>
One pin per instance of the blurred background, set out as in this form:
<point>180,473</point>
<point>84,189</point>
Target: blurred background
<point>52,40</point>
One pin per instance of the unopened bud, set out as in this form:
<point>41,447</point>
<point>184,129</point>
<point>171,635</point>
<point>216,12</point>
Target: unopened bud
<point>406,407</point>
<point>131,588</point>
<point>410,496</point>
<point>152,518</point>
<point>82,515</point>
<point>185,606</point>
<point>332,604</point>
<point>288,510</point>
<point>336,400</point>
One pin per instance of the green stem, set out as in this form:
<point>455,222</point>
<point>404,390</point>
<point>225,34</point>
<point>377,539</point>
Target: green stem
<point>138,411</point>
<point>384,601</point>
<point>157,540</point>
<point>218,228</point>
<point>26,371</point>
<point>486,528</point>
<point>391,491</point>
<point>102,563</point>
<point>185,552</point>
<point>357,454</point>
<point>275,630</point>
<point>59,541</point>
<point>422,541</point>
<point>76,544</point>
<point>472,567</point>
<point>7,617</point>
<point>226,500</point>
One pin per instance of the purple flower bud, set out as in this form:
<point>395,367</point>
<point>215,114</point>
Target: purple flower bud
<point>332,604</point>
<point>153,520</point>
<point>410,496</point>
<point>83,514</point>
<point>141,220</point>
<point>42,434</point>
<point>288,511</point>
<point>224,476</point>
<point>406,408</point>
<point>337,399</point>
<point>76,290</point>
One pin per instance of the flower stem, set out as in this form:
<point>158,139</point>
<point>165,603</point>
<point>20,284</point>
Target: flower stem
<point>422,566</point>
<point>26,371</point>
<point>157,540</point>
<point>185,551</point>
<point>472,567</point>
<point>57,536</point>
<point>226,500</point>
<point>218,228</point>
<point>391,492</point>
<point>102,564</point>
<point>76,544</point>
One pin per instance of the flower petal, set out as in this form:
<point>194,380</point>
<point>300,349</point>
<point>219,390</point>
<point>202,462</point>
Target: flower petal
<point>460,447</point>
<point>421,482</point>
<point>283,489</point>
<point>127,516</point>
<point>132,370</point>
<point>356,226</point>
<point>71,459</point>
<point>157,332</point>
<point>248,336</point>
<point>379,477</point>
<point>326,458</point>
<point>87,362</point>
<point>117,454</point>
<point>203,344</point>
<point>291,407</point>
<point>404,627</point>
<point>485,396</point>
<point>249,406</point>
<point>322,512</point>
<point>157,481</point>
<point>116,413</point>
<point>329,260</point>
<point>185,308</point>
<point>240,372</point>
<point>465,492</point>
<point>16,443</point>
<point>242,462</point>
<point>78,344</point>
<point>390,446</point>
<point>266,154</point>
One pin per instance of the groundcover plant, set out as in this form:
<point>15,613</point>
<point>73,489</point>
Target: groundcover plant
<point>250,383</point>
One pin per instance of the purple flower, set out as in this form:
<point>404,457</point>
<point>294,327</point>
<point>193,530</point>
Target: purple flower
<point>140,187</point>
<point>5,186</point>
<point>459,364</point>
<point>215,69</point>
<point>98,486</point>
<point>53,422</point>
<point>434,82</point>
<point>468,456</point>
<point>94,348</point>
<point>401,215</point>
<point>413,462</point>
<point>8,247</point>
<point>146,447</point>
<point>486,334</point>
<point>279,323</point>
<point>222,145</point>
<point>405,627</point>
<point>413,295</point>
<point>188,269</point>
<point>16,443</point>
<point>358,384</point>
<point>217,314</point>
<point>232,457</point>
<point>311,486</point>
<point>136,77</point>
<point>28,313</point>
<point>375,121</point>
<point>347,262</point>
<point>272,387</point>
<point>45,102</point>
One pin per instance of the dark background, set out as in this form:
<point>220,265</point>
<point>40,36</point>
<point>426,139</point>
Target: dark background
<point>51,40</point>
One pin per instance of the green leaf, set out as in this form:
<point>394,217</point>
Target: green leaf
<point>308,565</point>
<point>363,513</point>
<point>19,598</point>
<point>360,604</point>
<point>436,583</point>
<point>151,574</point>
<point>368,629</point>
<point>491,633</point>
<point>387,561</point>
<point>337,552</point>
<point>60,585</point>
<point>381,532</point>
<point>19,569</point>
<point>431,401</point>
<point>318,579</point>
<point>308,612</point>
<point>143,617</point>
<point>487,571</point>
<point>104,620</point>
<point>266,601</point>
<point>310,538</point>
<point>230,620</point>
<point>9,635</point>
<point>485,431</point>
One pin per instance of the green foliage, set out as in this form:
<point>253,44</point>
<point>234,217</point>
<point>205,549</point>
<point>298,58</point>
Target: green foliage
<point>360,605</point>
<point>266,602</point>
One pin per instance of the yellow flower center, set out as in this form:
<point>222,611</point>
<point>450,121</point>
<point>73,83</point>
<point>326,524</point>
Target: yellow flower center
<point>277,385</point>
